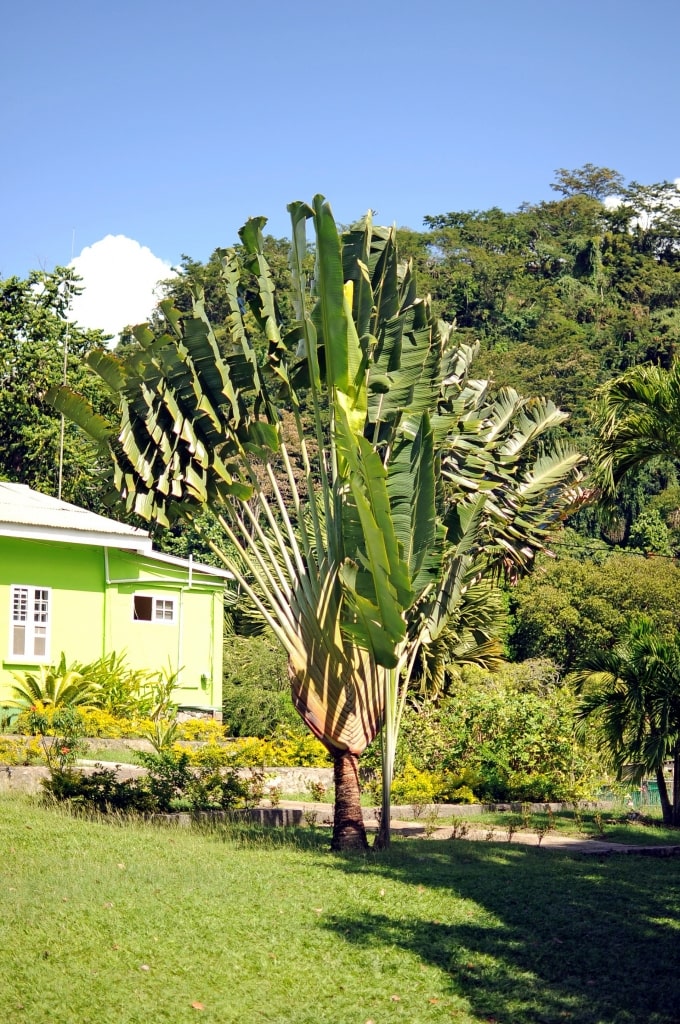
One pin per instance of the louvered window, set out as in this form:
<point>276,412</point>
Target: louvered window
<point>30,625</point>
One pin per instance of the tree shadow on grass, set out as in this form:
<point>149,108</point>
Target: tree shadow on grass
<point>530,935</point>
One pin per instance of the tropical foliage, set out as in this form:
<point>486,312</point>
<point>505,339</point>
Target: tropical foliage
<point>108,684</point>
<point>506,735</point>
<point>55,686</point>
<point>39,348</point>
<point>571,605</point>
<point>638,419</point>
<point>414,480</point>
<point>632,693</point>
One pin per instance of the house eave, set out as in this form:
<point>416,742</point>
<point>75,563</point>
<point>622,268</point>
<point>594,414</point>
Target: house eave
<point>141,543</point>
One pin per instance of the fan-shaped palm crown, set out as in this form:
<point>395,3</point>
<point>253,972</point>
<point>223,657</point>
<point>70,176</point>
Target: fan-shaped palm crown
<point>406,479</point>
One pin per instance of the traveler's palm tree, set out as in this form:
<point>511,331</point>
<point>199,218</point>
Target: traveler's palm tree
<point>632,693</point>
<point>362,539</point>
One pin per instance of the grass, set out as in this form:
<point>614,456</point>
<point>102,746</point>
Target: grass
<point>111,755</point>
<point>119,923</point>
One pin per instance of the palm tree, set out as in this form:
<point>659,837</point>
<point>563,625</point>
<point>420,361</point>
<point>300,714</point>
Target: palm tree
<point>637,418</point>
<point>360,521</point>
<point>632,693</point>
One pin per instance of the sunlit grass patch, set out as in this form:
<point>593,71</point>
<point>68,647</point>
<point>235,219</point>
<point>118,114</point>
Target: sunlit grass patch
<point>114,922</point>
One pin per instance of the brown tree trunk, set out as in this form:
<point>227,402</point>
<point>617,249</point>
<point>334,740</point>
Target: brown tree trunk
<point>349,831</point>
<point>666,806</point>
<point>675,813</point>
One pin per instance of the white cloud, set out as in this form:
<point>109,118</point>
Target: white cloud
<point>646,218</point>
<point>120,284</point>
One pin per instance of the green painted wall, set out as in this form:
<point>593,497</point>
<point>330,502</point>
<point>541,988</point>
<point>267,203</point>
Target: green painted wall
<point>90,617</point>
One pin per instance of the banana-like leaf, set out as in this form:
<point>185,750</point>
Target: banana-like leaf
<point>345,358</point>
<point>359,522</point>
<point>78,410</point>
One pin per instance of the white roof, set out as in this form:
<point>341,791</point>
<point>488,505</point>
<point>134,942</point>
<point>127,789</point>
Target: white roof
<point>19,505</point>
<point>34,516</point>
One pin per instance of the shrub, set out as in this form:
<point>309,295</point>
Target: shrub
<point>507,736</point>
<point>256,691</point>
<point>14,751</point>
<point>282,751</point>
<point>458,788</point>
<point>99,791</point>
<point>414,786</point>
<point>170,784</point>
<point>251,710</point>
<point>96,723</point>
<point>195,730</point>
<point>168,775</point>
<point>210,756</point>
<point>61,734</point>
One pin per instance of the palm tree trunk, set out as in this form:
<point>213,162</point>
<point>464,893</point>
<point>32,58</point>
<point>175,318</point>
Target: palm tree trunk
<point>675,814</point>
<point>666,806</point>
<point>382,839</point>
<point>349,831</point>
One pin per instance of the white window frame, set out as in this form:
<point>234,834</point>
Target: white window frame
<point>37,622</point>
<point>159,620</point>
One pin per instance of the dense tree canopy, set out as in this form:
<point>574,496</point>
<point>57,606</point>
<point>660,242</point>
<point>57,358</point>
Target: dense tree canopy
<point>37,345</point>
<point>571,606</point>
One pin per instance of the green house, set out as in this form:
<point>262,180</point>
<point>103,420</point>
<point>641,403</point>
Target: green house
<point>86,585</point>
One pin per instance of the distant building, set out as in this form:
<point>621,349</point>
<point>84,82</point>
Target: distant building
<point>87,585</point>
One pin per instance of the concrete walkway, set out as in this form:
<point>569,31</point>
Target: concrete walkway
<point>420,830</point>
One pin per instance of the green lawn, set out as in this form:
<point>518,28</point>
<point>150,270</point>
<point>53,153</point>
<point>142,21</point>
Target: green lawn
<point>106,923</point>
<point>111,755</point>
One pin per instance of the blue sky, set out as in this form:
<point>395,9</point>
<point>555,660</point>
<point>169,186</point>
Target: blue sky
<point>172,122</point>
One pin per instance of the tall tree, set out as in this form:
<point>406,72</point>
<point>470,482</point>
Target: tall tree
<point>416,480</point>
<point>589,180</point>
<point>38,346</point>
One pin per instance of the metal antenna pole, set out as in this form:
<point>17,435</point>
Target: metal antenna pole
<point>66,341</point>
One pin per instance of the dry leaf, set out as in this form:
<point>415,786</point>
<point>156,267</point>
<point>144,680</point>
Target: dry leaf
<point>144,967</point>
<point>197,1006</point>
<point>395,999</point>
